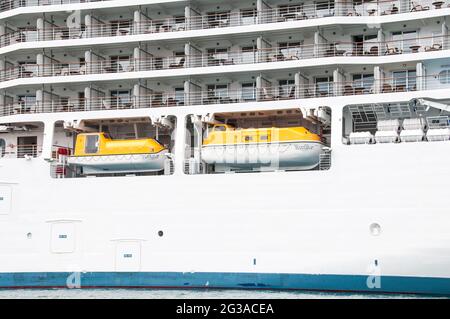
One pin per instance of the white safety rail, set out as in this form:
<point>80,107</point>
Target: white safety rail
<point>21,151</point>
<point>13,4</point>
<point>206,97</point>
<point>209,21</point>
<point>304,11</point>
<point>280,54</point>
<point>406,128</point>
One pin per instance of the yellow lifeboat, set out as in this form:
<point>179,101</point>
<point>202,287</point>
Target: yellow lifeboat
<point>97,153</point>
<point>249,149</point>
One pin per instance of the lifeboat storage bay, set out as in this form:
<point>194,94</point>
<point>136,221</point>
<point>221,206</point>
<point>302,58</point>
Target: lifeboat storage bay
<point>111,147</point>
<point>274,140</point>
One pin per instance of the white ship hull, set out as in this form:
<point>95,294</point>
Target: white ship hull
<point>298,155</point>
<point>293,230</point>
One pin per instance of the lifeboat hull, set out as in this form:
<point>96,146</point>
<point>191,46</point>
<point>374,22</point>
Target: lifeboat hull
<point>302,155</point>
<point>125,163</point>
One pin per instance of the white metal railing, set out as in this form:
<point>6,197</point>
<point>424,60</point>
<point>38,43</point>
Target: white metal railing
<point>13,4</point>
<point>307,51</point>
<point>21,151</point>
<point>215,20</point>
<point>380,7</point>
<point>206,97</point>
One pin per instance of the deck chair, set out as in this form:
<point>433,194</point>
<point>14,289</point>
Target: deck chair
<point>268,96</point>
<point>180,64</point>
<point>387,88</point>
<point>78,35</point>
<point>391,51</point>
<point>348,90</point>
<point>65,71</point>
<point>373,51</point>
<point>418,7</point>
<point>106,104</point>
<point>392,10</point>
<point>434,47</point>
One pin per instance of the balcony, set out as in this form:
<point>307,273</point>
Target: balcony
<point>201,96</point>
<point>280,54</point>
<point>357,7</point>
<point>13,4</point>
<point>146,25</point>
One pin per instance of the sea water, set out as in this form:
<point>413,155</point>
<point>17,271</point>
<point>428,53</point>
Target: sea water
<point>184,294</point>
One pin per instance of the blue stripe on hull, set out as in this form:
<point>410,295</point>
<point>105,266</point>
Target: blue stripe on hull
<point>390,284</point>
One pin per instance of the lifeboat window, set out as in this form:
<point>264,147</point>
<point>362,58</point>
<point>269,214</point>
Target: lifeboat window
<point>247,138</point>
<point>91,144</point>
<point>263,137</point>
<point>219,128</point>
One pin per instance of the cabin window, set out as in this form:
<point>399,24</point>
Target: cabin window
<point>324,85</point>
<point>217,56</point>
<point>2,147</point>
<point>290,49</point>
<point>248,91</point>
<point>263,137</point>
<point>286,88</point>
<point>91,144</point>
<point>217,90</point>
<point>247,138</point>
<point>404,39</point>
<point>363,81</point>
<point>26,102</point>
<point>120,63</point>
<point>179,96</point>
<point>444,77</point>
<point>404,80</point>
<point>248,16</point>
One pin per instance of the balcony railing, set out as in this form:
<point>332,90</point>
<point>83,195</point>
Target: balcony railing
<point>374,7</point>
<point>277,15</point>
<point>170,99</point>
<point>13,4</point>
<point>21,151</point>
<point>310,51</point>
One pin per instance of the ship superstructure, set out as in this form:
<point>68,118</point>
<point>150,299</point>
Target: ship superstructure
<point>276,144</point>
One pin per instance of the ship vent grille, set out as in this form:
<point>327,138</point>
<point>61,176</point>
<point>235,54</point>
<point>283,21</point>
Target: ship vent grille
<point>169,167</point>
<point>325,160</point>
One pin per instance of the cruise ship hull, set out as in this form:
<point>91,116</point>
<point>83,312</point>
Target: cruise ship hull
<point>273,230</point>
<point>205,280</point>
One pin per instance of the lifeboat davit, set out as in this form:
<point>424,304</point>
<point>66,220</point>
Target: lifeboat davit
<point>97,153</point>
<point>250,149</point>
